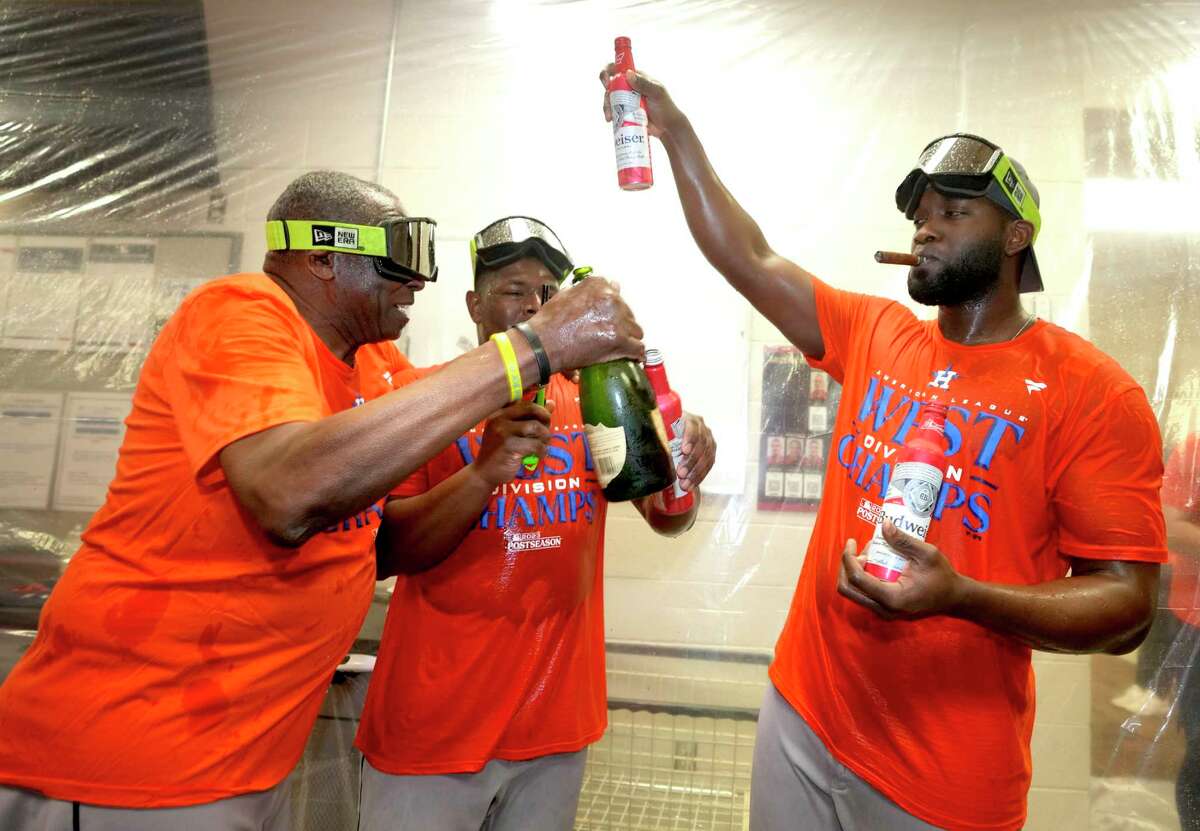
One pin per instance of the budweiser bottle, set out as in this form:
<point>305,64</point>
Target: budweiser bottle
<point>912,492</point>
<point>675,499</point>
<point>630,136</point>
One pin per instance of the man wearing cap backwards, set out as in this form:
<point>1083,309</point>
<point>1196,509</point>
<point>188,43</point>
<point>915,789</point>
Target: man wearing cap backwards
<point>181,659</point>
<point>490,680</point>
<point>910,704</point>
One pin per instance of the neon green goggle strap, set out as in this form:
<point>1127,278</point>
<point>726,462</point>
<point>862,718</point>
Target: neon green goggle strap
<point>1017,192</point>
<point>324,235</point>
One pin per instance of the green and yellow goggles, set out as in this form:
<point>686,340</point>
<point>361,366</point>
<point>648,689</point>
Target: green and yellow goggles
<point>402,249</point>
<point>965,165</point>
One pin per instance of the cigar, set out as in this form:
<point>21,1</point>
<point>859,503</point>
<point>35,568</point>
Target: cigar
<point>897,258</point>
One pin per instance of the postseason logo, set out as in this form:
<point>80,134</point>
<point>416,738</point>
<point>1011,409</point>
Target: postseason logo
<point>336,236</point>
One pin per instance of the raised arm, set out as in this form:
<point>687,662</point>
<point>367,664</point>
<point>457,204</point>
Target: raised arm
<point>728,236</point>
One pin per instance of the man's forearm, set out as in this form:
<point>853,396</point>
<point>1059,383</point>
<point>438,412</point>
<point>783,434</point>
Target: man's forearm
<point>299,478</point>
<point>1078,614</point>
<point>420,531</point>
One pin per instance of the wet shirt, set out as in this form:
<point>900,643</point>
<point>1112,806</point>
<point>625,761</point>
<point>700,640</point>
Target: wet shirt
<point>183,656</point>
<point>498,651</point>
<point>1053,453</point>
<point>1181,490</point>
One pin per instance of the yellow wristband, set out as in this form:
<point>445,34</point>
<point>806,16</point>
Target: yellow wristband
<point>512,369</point>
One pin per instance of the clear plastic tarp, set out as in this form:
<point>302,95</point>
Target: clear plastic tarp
<point>142,143</point>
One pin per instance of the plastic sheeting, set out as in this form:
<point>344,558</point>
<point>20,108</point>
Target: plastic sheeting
<point>141,144</point>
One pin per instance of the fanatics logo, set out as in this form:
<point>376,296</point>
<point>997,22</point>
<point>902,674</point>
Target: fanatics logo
<point>942,378</point>
<point>1032,386</point>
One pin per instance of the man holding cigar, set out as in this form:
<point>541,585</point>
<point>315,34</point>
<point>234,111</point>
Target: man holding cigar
<point>490,680</point>
<point>181,660</point>
<point>910,704</point>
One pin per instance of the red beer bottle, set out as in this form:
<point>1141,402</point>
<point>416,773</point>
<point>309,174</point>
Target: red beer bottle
<point>675,499</point>
<point>912,492</point>
<point>631,139</point>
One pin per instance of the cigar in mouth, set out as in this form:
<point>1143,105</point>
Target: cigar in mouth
<point>897,258</point>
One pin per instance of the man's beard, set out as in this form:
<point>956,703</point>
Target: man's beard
<point>970,277</point>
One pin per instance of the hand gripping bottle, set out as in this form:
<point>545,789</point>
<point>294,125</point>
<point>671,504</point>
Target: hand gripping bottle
<point>631,139</point>
<point>625,431</point>
<point>675,499</point>
<point>912,492</point>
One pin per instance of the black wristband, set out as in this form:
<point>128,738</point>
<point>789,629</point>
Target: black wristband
<point>539,352</point>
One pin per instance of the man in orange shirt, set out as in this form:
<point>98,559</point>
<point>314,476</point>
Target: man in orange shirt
<point>181,659</point>
<point>910,705</point>
<point>490,680</point>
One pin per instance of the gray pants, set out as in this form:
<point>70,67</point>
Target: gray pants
<point>797,785</point>
<point>22,810</point>
<point>538,795</point>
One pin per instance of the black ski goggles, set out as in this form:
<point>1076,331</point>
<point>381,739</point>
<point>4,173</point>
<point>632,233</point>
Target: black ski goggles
<point>516,237</point>
<point>969,166</point>
<point>402,249</point>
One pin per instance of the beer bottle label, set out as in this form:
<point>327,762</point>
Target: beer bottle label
<point>911,496</point>
<point>676,445</point>
<point>630,136</point>
<point>608,450</point>
<point>881,554</point>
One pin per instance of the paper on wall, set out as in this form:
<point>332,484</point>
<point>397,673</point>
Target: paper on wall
<point>29,428</point>
<point>93,428</point>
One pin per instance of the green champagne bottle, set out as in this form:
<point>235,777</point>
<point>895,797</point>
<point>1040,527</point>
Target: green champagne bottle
<point>625,430</point>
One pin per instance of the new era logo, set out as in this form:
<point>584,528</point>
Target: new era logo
<point>1014,187</point>
<point>336,236</point>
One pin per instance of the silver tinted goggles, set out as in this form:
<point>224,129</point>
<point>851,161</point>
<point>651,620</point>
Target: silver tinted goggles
<point>515,237</point>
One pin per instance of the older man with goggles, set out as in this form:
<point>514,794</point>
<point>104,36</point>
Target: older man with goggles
<point>182,658</point>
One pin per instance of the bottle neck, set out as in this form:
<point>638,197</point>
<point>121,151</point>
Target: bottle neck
<point>657,373</point>
<point>933,420</point>
<point>624,57</point>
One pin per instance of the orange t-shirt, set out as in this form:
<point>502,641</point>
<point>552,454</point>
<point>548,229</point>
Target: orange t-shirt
<point>1053,453</point>
<point>498,651</point>
<point>183,656</point>
<point>1181,489</point>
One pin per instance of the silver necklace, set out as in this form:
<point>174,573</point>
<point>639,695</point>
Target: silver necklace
<point>1028,320</point>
